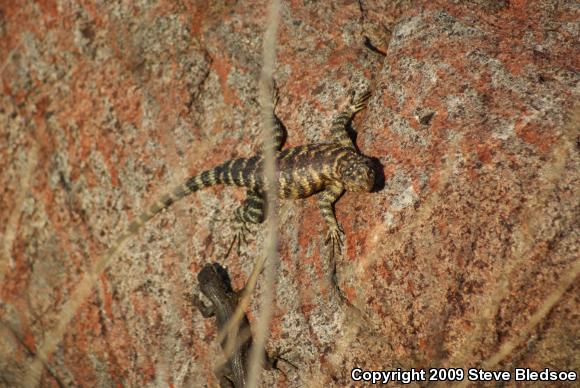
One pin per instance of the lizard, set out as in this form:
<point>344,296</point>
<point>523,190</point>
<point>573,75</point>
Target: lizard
<point>326,169</point>
<point>214,283</point>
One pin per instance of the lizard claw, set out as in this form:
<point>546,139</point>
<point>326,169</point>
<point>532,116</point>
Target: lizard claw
<point>335,236</point>
<point>241,231</point>
<point>273,359</point>
<point>360,102</point>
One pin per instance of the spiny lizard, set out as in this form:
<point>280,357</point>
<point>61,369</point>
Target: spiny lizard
<point>214,283</point>
<point>327,168</point>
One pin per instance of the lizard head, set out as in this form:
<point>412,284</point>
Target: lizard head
<point>356,172</point>
<point>214,275</point>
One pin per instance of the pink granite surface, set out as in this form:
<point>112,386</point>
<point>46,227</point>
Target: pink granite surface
<point>107,105</point>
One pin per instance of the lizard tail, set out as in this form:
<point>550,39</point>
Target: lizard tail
<point>234,172</point>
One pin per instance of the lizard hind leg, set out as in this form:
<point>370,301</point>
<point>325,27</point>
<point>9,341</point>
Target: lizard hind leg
<point>279,135</point>
<point>252,211</point>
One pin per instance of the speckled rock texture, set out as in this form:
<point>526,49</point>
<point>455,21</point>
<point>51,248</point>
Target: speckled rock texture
<point>474,224</point>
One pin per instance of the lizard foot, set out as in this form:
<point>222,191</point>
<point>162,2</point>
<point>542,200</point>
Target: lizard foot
<point>335,237</point>
<point>241,231</point>
<point>360,102</point>
<point>273,359</point>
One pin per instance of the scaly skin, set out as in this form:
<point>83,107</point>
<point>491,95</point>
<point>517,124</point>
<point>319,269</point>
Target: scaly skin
<point>325,169</point>
<point>214,283</point>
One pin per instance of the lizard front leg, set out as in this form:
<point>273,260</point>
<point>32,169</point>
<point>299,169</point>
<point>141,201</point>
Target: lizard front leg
<point>341,120</point>
<point>207,311</point>
<point>335,234</point>
<point>326,200</point>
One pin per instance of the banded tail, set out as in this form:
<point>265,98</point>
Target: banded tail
<point>238,172</point>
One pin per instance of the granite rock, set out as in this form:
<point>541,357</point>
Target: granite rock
<point>474,123</point>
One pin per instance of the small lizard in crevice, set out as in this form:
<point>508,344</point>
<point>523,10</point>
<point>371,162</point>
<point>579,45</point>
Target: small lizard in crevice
<point>214,283</point>
<point>327,169</point>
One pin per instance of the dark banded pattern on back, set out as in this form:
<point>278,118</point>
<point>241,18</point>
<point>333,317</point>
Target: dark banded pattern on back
<point>302,171</point>
<point>306,170</point>
<point>325,168</point>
